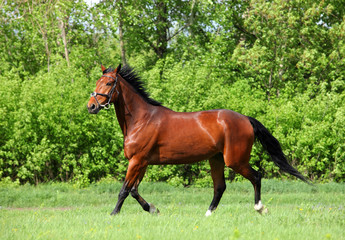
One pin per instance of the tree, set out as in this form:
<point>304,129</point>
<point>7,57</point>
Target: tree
<point>290,38</point>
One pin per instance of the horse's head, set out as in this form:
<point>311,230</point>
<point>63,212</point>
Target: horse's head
<point>104,95</point>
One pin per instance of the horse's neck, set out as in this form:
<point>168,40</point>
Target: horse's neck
<point>130,107</point>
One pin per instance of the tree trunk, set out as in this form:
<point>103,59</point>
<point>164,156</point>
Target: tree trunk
<point>122,44</point>
<point>162,29</point>
<point>64,39</point>
<point>191,18</point>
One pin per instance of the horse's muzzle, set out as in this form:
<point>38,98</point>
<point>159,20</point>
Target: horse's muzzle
<point>93,108</point>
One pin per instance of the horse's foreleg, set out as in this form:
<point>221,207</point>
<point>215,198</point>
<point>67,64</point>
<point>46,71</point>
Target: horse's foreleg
<point>122,196</point>
<point>135,167</point>
<point>217,173</point>
<point>149,207</point>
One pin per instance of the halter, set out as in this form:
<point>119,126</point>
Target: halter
<point>109,95</point>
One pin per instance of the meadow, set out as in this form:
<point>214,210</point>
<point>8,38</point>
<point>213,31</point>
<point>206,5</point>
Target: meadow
<point>63,211</point>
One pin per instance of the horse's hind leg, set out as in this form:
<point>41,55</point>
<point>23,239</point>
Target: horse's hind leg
<point>219,186</point>
<point>237,155</point>
<point>255,178</point>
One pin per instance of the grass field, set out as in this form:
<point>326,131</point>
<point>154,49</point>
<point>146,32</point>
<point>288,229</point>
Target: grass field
<point>61,211</point>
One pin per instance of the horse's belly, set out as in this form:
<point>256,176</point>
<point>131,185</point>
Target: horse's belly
<point>183,157</point>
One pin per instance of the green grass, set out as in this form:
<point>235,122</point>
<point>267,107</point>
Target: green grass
<point>61,211</point>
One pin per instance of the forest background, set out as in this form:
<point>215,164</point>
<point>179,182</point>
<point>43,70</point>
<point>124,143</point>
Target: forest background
<point>282,62</point>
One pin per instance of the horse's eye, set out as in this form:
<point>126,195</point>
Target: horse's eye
<point>109,84</point>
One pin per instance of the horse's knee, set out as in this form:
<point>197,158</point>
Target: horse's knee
<point>134,193</point>
<point>123,193</point>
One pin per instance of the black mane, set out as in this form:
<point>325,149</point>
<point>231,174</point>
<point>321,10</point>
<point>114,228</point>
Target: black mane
<point>128,74</point>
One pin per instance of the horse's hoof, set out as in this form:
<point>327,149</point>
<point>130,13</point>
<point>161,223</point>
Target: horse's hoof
<point>263,211</point>
<point>113,213</point>
<point>208,213</point>
<point>153,209</point>
<point>260,208</point>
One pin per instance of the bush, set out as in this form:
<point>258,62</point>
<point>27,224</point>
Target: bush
<point>49,135</point>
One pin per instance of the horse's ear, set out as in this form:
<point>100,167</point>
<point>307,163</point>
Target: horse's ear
<point>103,68</point>
<point>117,70</point>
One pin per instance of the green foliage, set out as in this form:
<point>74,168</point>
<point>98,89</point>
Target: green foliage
<point>282,62</point>
<point>52,136</point>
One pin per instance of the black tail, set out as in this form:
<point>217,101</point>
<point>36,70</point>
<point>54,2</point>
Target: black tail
<point>272,146</point>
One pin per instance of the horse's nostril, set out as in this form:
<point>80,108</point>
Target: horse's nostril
<point>93,106</point>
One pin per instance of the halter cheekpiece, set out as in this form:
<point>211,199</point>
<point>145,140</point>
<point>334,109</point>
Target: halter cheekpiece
<point>109,95</point>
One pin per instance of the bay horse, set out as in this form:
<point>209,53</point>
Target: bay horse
<point>154,134</point>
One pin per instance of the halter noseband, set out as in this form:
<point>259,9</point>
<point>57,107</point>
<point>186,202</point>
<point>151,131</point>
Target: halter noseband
<point>109,95</point>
